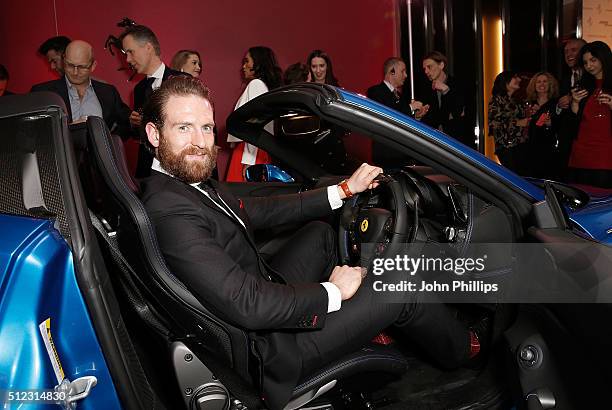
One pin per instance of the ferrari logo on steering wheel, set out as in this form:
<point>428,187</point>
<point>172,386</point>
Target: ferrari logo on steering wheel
<point>364,225</point>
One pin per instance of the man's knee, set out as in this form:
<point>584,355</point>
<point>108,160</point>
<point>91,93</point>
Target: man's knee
<point>323,232</point>
<point>319,226</point>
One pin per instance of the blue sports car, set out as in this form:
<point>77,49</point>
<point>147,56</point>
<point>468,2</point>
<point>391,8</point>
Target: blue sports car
<point>92,318</point>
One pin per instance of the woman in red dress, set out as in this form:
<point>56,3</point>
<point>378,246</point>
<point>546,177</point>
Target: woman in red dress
<point>261,73</point>
<point>591,158</point>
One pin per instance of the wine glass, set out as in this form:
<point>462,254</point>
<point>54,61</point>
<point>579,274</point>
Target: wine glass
<point>527,109</point>
<point>600,108</point>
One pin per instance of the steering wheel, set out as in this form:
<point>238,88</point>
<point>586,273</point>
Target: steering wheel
<point>360,223</point>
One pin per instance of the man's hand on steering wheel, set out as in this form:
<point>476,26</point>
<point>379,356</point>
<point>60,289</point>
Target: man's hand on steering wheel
<point>380,223</point>
<point>347,279</point>
<point>362,179</point>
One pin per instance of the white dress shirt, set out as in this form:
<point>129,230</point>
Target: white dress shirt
<point>254,88</point>
<point>81,108</point>
<point>158,75</point>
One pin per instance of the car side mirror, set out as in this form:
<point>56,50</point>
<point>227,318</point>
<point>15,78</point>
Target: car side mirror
<point>267,173</point>
<point>300,125</point>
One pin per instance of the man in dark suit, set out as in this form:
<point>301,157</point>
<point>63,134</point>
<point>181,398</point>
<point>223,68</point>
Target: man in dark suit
<point>143,53</point>
<point>84,96</point>
<point>53,50</point>
<point>299,317</point>
<point>445,98</point>
<point>566,130</point>
<point>389,93</point>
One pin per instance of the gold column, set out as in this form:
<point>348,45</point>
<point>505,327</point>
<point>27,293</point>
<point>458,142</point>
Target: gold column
<point>493,62</point>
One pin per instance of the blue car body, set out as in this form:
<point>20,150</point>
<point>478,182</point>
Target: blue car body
<point>37,282</point>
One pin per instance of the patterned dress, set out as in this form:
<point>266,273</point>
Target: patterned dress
<point>510,147</point>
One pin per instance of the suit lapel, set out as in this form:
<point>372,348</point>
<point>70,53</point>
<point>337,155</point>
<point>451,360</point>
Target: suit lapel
<point>166,74</point>
<point>205,200</point>
<point>391,97</point>
<point>103,99</point>
<point>62,90</point>
<point>265,270</point>
<point>230,202</point>
<point>235,205</point>
<point>139,94</point>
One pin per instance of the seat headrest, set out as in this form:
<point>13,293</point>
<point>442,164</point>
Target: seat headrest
<point>103,155</point>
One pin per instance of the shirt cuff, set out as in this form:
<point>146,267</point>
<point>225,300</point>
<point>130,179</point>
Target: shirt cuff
<point>333,196</point>
<point>334,298</point>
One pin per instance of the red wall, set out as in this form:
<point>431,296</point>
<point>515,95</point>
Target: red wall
<point>358,35</point>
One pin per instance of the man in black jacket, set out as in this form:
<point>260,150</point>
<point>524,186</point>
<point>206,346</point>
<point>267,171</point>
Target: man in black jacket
<point>143,53</point>
<point>445,98</point>
<point>84,96</point>
<point>567,130</point>
<point>388,92</point>
<point>53,50</point>
<point>301,311</point>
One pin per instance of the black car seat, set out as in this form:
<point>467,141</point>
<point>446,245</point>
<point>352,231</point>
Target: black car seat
<point>212,359</point>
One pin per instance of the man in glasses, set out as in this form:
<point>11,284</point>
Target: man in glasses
<point>85,97</point>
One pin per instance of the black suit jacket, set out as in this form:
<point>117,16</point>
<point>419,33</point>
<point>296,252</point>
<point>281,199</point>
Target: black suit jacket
<point>450,114</point>
<point>568,122</point>
<point>115,112</point>
<point>216,258</point>
<point>382,94</point>
<point>142,91</point>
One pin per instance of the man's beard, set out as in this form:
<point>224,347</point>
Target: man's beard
<point>189,171</point>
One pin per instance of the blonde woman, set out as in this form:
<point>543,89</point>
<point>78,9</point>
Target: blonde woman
<point>542,96</point>
<point>187,61</point>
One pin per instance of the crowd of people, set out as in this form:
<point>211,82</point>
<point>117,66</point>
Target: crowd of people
<point>300,308</point>
<point>559,131</point>
<point>206,234</point>
<point>555,130</point>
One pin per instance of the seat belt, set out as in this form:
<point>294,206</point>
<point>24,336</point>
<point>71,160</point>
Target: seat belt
<point>142,308</point>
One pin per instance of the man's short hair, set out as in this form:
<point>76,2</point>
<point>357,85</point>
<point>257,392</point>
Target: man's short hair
<point>154,109</point>
<point>142,34</point>
<point>574,39</point>
<point>58,44</point>
<point>295,73</point>
<point>390,63</point>
<point>438,57</point>
<point>4,74</point>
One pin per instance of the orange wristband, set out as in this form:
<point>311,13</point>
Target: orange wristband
<point>345,188</point>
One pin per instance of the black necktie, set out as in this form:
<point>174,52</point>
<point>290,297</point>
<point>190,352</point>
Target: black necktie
<point>267,271</point>
<point>214,196</point>
<point>397,95</point>
<point>148,87</point>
